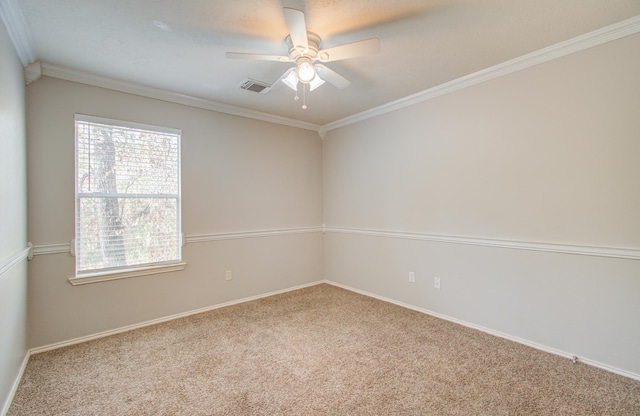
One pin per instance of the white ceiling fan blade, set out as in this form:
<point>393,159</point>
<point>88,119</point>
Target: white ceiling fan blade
<point>276,85</point>
<point>257,56</point>
<point>332,77</point>
<point>350,50</point>
<point>297,28</point>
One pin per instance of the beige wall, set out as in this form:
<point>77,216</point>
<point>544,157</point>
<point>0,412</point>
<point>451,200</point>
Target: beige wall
<point>13,228</point>
<point>549,154</point>
<point>238,175</point>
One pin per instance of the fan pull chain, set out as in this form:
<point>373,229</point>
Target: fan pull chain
<point>304,97</point>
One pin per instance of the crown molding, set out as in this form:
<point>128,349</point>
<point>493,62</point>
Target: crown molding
<point>588,40</point>
<point>13,19</point>
<point>81,77</point>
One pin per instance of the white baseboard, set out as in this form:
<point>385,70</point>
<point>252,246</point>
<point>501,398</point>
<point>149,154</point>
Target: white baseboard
<point>490,331</point>
<point>127,328</point>
<point>16,383</point>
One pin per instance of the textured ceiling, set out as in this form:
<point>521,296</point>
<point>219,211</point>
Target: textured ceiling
<point>180,45</point>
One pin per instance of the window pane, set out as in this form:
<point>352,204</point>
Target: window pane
<point>127,195</point>
<point>126,161</point>
<point>144,232</point>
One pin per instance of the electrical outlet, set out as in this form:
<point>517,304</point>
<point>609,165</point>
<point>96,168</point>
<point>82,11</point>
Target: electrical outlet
<point>436,282</point>
<point>412,277</point>
<point>228,275</point>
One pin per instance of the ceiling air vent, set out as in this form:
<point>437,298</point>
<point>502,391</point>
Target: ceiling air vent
<point>255,86</point>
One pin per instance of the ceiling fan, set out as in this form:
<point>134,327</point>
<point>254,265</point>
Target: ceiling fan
<point>304,50</point>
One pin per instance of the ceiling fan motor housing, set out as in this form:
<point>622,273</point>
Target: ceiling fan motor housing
<point>297,52</point>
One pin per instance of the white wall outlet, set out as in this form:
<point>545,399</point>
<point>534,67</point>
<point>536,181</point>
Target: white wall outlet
<point>436,282</point>
<point>412,277</point>
<point>228,275</point>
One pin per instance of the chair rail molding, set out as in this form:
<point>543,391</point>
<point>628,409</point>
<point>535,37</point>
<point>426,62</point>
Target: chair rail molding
<point>9,262</point>
<point>201,238</point>
<point>615,252</point>
<point>61,248</point>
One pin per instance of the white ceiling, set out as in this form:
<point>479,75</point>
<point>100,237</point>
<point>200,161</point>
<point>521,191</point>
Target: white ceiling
<point>180,46</point>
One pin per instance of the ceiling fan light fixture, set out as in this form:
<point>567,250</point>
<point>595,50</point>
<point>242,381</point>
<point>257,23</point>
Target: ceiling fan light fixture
<point>315,83</point>
<point>305,71</point>
<point>291,80</point>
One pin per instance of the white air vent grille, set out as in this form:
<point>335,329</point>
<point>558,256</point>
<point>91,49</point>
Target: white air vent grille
<point>255,86</point>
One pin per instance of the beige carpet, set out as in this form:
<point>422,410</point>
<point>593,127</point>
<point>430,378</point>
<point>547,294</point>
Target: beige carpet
<point>316,351</point>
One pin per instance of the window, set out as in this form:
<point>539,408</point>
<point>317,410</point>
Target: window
<point>127,197</point>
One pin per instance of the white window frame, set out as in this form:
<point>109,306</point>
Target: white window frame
<point>134,270</point>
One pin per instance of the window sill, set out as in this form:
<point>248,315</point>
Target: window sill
<point>125,274</point>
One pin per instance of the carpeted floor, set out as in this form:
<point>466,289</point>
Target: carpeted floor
<point>315,351</point>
